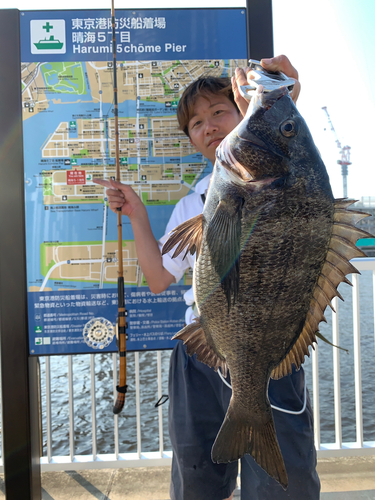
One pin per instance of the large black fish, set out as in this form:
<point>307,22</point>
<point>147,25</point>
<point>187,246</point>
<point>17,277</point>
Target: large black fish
<point>272,246</point>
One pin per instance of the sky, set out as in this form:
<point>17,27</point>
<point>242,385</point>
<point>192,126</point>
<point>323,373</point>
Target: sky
<point>331,43</point>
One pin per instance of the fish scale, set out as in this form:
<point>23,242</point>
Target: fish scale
<point>272,247</point>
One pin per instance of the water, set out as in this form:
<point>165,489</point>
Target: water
<point>149,392</point>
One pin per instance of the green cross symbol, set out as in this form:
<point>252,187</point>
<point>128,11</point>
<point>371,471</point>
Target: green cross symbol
<point>47,27</point>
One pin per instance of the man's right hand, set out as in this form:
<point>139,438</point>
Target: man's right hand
<point>148,252</point>
<point>122,196</point>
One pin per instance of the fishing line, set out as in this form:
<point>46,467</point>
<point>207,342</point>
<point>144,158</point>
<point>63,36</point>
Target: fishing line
<point>291,412</point>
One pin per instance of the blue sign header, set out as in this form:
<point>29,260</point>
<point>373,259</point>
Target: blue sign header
<point>140,35</point>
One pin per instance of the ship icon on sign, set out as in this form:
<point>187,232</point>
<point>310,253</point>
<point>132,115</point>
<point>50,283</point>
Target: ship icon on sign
<point>47,37</point>
<point>51,43</point>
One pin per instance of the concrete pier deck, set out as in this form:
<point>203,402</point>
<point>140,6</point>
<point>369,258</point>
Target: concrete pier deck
<point>351,478</point>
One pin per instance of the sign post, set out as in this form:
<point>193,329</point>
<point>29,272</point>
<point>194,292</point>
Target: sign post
<point>69,136</point>
<point>259,29</point>
<point>19,381</point>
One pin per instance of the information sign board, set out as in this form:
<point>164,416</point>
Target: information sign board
<point>68,124</point>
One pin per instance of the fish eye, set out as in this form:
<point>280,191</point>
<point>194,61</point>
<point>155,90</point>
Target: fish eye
<point>288,128</point>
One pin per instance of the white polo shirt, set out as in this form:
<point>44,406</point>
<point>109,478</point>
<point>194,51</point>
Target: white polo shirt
<point>186,208</point>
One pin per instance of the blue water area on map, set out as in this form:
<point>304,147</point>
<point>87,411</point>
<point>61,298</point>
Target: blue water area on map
<point>52,79</point>
<point>66,97</point>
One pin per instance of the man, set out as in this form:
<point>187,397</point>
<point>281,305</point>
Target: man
<point>207,112</point>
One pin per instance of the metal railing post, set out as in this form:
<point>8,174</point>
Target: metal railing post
<point>316,406</point>
<point>357,361</point>
<point>138,404</point>
<point>160,408</point>
<point>336,372</point>
<point>71,408</point>
<point>93,406</point>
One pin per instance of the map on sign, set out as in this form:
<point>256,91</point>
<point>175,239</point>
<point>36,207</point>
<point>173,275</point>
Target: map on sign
<point>77,144</point>
<point>71,233</point>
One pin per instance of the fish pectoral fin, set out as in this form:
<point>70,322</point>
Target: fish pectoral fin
<point>224,242</point>
<point>342,248</point>
<point>196,342</point>
<point>238,437</point>
<point>186,235</point>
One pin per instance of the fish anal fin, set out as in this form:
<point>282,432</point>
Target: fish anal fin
<point>187,235</point>
<point>224,243</point>
<point>196,342</point>
<point>239,436</point>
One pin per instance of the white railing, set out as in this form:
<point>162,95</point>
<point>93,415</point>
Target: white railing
<point>137,458</point>
<point>340,447</point>
<point>127,429</point>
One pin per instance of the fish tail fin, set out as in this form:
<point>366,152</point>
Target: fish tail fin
<point>238,437</point>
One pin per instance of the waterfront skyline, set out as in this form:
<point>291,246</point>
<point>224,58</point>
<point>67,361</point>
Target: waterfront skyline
<point>330,42</point>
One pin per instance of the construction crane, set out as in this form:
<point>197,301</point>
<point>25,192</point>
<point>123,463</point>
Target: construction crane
<point>344,156</point>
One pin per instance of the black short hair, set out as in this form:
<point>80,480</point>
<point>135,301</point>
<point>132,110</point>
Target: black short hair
<point>203,86</point>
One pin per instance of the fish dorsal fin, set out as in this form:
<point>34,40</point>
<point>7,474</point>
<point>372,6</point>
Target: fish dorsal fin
<point>187,235</point>
<point>224,243</point>
<point>341,249</point>
<point>196,341</point>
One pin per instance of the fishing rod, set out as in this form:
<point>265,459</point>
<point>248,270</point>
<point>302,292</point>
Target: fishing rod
<point>121,318</point>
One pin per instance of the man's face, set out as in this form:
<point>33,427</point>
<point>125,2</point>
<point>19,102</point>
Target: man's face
<point>215,116</point>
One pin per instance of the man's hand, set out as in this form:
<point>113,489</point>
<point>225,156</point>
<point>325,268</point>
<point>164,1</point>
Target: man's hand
<point>244,76</point>
<point>148,252</point>
<point>241,77</point>
<point>282,63</point>
<point>122,196</point>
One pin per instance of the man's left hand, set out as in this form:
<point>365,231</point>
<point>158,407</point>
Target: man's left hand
<point>244,76</point>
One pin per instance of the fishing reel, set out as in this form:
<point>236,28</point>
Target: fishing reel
<point>98,333</point>
<point>270,80</point>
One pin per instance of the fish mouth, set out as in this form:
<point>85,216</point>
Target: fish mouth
<point>268,99</point>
